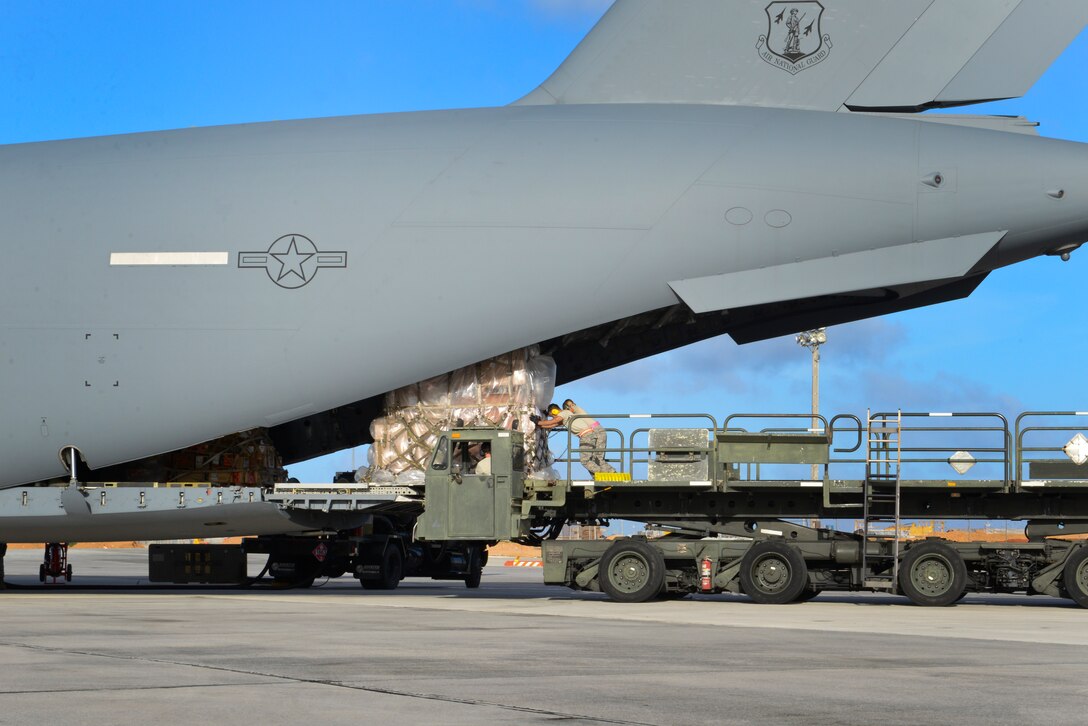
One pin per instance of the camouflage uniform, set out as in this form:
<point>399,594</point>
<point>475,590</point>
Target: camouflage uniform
<point>594,461</point>
<point>590,436</point>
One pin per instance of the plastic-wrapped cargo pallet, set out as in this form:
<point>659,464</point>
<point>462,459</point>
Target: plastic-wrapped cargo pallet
<point>503,391</point>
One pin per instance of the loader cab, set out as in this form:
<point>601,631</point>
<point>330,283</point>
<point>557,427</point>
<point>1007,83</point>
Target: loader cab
<point>461,503</point>
<point>460,451</point>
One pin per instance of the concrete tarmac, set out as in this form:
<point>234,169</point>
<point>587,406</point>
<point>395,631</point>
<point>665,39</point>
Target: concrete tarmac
<point>103,651</point>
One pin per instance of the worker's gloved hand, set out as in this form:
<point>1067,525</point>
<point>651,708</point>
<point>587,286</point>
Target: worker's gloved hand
<point>534,418</point>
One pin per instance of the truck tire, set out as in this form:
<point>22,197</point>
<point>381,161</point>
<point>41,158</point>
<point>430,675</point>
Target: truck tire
<point>477,558</point>
<point>472,580</point>
<point>807,594</point>
<point>773,573</point>
<point>392,571</point>
<point>932,574</point>
<point>1076,576</point>
<point>632,571</point>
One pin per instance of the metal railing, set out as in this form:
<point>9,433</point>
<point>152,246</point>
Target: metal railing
<point>928,440</point>
<point>1026,455</point>
<point>924,444</point>
<point>627,453</point>
<point>569,458</point>
<point>764,416</point>
<point>914,454</point>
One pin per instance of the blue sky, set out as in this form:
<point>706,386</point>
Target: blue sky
<point>83,68</point>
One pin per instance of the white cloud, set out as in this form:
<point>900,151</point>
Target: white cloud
<point>720,362</point>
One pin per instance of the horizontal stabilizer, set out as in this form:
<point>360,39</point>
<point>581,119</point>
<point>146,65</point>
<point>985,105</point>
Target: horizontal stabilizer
<point>889,55</point>
<point>900,265</point>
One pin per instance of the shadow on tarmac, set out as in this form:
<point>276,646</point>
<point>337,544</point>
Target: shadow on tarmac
<point>346,587</point>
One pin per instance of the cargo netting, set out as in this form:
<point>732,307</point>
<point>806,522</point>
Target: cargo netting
<point>503,391</point>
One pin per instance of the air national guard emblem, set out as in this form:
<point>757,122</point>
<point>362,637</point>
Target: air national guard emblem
<point>794,41</point>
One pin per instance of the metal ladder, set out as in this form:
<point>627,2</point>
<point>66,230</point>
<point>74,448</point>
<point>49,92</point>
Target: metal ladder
<point>883,461</point>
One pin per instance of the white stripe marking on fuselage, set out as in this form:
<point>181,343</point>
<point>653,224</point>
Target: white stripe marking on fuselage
<point>168,259</point>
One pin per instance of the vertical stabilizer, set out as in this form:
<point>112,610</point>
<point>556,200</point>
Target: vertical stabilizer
<point>890,55</point>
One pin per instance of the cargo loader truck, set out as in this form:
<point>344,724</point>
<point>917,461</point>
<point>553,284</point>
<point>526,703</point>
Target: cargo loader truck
<point>731,520</point>
<point>729,508</point>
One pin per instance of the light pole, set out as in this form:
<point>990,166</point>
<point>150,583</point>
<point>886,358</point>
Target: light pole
<point>813,339</point>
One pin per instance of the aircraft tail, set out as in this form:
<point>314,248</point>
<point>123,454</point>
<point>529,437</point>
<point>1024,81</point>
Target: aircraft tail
<point>856,55</point>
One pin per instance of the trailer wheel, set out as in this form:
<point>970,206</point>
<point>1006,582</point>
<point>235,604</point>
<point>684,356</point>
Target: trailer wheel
<point>773,573</point>
<point>933,574</point>
<point>392,571</point>
<point>41,573</point>
<point>1076,576</point>
<point>632,571</point>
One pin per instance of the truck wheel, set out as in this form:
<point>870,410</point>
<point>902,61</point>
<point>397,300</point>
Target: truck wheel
<point>392,571</point>
<point>1076,576</point>
<point>932,574</point>
<point>632,571</point>
<point>477,559</point>
<point>473,581</point>
<point>807,594</point>
<point>773,573</point>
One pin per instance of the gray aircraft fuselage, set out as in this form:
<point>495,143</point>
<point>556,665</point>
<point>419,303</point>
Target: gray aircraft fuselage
<point>445,238</point>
